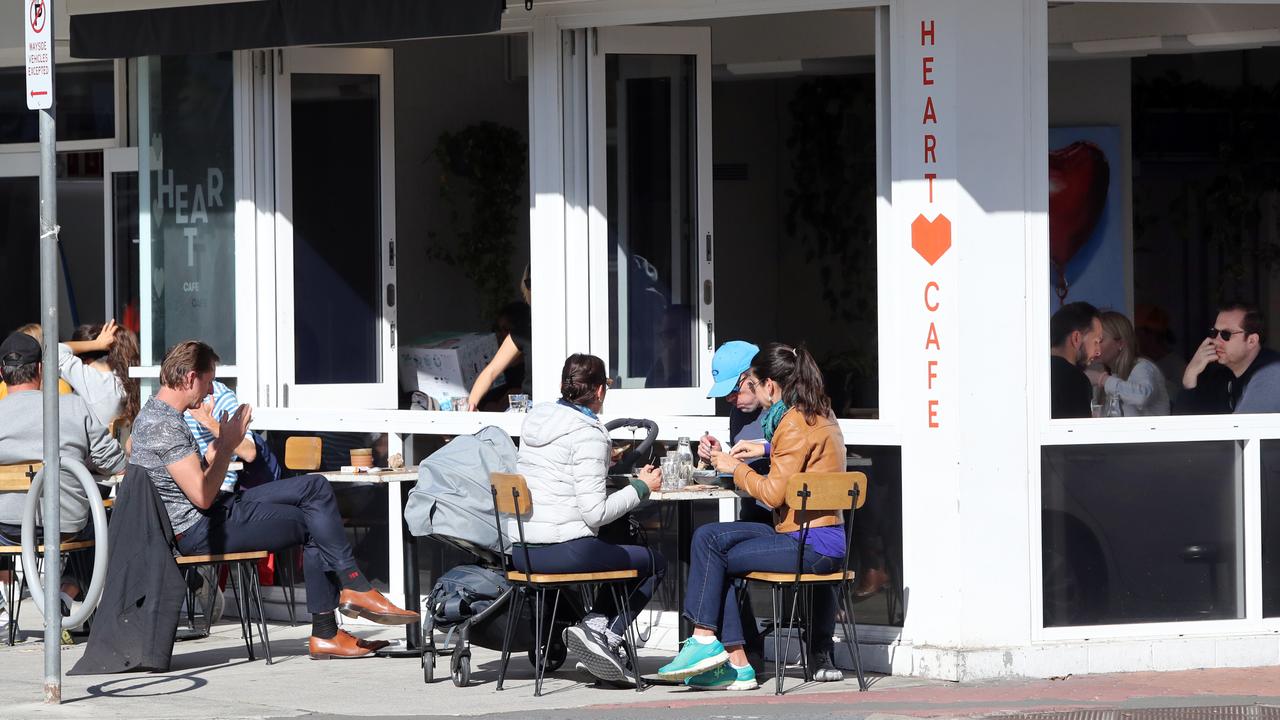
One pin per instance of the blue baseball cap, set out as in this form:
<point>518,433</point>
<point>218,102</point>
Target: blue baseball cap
<point>727,365</point>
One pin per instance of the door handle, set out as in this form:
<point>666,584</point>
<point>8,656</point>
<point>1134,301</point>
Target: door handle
<point>284,395</point>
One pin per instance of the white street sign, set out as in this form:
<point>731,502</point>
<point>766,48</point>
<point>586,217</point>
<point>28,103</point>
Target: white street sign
<point>37,16</point>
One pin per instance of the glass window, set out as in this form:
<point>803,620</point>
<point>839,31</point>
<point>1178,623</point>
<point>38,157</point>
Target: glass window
<point>653,269</point>
<point>85,96</point>
<point>1142,533</point>
<point>187,154</point>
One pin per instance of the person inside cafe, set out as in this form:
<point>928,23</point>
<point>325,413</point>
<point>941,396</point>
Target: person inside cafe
<point>1076,333</point>
<point>96,362</point>
<point>515,346</point>
<point>273,516</point>
<point>1232,371</point>
<point>81,437</point>
<point>805,437</point>
<point>564,456</point>
<point>1119,370</point>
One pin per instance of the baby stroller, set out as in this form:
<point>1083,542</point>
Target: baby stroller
<point>453,504</point>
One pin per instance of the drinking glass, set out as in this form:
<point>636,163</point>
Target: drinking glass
<point>518,402</point>
<point>669,477</point>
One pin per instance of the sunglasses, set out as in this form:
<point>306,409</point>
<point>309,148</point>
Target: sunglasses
<point>1224,334</point>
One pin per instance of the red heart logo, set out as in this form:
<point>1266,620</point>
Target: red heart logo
<point>931,238</point>
<point>1078,180</point>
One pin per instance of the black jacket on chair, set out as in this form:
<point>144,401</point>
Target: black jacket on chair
<point>134,626</point>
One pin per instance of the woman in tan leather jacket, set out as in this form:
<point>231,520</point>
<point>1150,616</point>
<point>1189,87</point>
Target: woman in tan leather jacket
<point>803,437</point>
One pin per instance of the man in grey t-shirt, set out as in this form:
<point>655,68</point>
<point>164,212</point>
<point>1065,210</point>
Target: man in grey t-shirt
<point>271,516</point>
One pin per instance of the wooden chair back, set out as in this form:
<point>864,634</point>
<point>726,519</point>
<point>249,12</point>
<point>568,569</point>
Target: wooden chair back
<point>511,494</point>
<point>826,490</point>
<point>302,453</point>
<point>18,477</point>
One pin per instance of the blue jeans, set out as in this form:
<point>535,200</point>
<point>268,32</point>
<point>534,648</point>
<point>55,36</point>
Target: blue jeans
<point>591,554</point>
<point>723,551</point>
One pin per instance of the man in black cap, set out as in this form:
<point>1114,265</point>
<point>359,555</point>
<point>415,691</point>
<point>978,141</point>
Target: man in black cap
<point>81,437</point>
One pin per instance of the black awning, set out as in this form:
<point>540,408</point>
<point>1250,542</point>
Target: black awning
<point>275,23</point>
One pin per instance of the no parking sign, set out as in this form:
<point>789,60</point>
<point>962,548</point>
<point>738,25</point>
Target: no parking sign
<point>37,19</point>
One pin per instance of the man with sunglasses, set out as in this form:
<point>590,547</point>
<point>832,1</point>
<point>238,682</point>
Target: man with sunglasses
<point>1252,384</point>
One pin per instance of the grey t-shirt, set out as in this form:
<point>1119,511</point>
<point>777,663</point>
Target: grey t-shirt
<point>160,438</point>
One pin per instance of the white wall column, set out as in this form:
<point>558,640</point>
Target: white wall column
<point>965,134</point>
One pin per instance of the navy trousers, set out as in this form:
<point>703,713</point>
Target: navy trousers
<point>290,511</point>
<point>591,554</point>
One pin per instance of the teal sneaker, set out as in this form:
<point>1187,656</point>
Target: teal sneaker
<point>695,658</point>
<point>725,677</point>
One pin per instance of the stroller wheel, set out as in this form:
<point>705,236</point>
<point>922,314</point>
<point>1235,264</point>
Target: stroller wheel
<point>461,668</point>
<point>428,667</point>
<point>556,655</point>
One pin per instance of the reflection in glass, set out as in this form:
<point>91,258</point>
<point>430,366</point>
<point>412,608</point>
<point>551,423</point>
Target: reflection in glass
<point>336,228</point>
<point>1142,533</point>
<point>85,97</point>
<point>651,121</point>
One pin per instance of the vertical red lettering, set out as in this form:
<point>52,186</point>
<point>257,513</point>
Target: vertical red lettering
<point>931,177</point>
<point>930,115</point>
<point>926,32</point>
<point>933,414</point>
<point>930,149</point>
<point>931,285</point>
<point>933,375</point>
<point>926,67</point>
<point>932,339</point>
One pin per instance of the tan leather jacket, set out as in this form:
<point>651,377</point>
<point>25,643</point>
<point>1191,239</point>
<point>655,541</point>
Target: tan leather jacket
<point>797,447</point>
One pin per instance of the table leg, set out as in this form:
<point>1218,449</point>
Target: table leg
<point>412,599</point>
<point>684,538</point>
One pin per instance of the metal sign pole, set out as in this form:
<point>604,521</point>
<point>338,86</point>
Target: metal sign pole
<point>40,81</point>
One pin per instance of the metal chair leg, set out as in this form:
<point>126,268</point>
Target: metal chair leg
<point>539,657</point>
<point>513,613</point>
<point>779,659</point>
<point>851,634</point>
<point>234,579</point>
<point>262,617</point>
<point>289,590</point>
<point>623,604</point>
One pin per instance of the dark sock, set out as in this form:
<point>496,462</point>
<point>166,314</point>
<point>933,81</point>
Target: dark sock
<point>353,579</point>
<point>324,625</point>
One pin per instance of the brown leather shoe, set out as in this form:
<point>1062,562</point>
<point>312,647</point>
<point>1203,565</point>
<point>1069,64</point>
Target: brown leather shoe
<point>870,582</point>
<point>343,646</point>
<point>373,605</point>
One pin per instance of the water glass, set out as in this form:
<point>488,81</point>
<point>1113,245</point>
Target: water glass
<point>518,402</point>
<point>670,477</point>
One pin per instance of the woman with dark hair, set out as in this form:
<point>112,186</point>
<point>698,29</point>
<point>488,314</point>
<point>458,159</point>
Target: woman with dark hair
<point>95,362</point>
<point>564,455</point>
<point>804,437</point>
<point>514,331</point>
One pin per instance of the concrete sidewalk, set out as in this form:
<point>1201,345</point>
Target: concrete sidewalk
<point>213,678</point>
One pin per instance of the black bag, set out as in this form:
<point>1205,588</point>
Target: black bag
<point>463,592</point>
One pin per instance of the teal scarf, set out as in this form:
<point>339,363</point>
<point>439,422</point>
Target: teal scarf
<point>769,421</point>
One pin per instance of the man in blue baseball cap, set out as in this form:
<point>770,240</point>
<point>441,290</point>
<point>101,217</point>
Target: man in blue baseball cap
<point>728,366</point>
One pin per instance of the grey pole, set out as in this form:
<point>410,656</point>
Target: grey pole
<point>49,308</point>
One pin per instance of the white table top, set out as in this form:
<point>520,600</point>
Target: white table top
<point>383,478</point>
<point>675,495</point>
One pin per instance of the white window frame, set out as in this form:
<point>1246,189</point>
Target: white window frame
<point>339,61</point>
<point>1249,429</point>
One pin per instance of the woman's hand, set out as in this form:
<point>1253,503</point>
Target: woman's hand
<point>107,336</point>
<point>203,414</point>
<point>748,449</point>
<point>724,462</point>
<point>651,476</point>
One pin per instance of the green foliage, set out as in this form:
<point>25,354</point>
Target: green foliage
<point>482,180</point>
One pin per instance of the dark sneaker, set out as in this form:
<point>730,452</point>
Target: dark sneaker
<point>593,651</point>
<point>823,669</point>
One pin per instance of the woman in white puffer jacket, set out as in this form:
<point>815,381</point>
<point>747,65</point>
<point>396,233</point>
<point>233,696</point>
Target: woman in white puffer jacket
<point>564,455</point>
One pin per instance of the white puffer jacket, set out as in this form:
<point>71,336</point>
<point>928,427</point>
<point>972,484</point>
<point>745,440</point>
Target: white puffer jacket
<point>563,456</point>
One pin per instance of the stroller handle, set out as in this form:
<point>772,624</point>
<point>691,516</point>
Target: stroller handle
<point>627,462</point>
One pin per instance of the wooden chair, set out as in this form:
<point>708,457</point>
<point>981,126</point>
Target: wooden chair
<point>14,479</point>
<point>511,497</point>
<point>831,491</point>
<point>245,567</point>
<point>301,454</point>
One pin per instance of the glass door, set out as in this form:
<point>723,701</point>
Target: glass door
<point>649,130</point>
<point>335,229</point>
<point>120,219</point>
